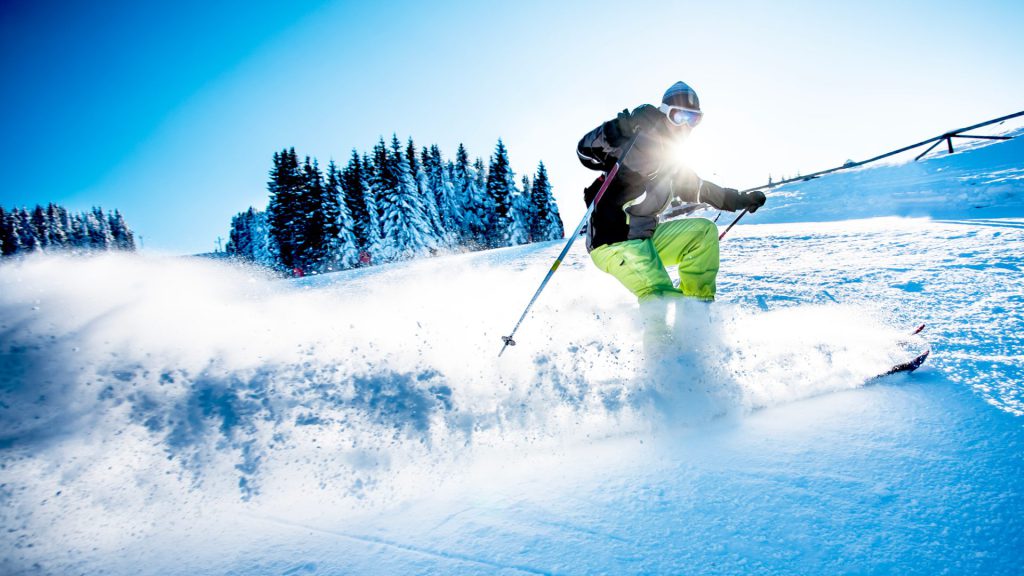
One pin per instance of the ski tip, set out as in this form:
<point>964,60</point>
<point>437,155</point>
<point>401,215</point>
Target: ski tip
<point>917,362</point>
<point>918,331</point>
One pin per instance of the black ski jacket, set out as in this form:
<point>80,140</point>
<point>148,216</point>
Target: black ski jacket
<point>645,185</point>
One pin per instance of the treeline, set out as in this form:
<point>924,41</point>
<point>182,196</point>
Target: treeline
<point>54,228</point>
<point>394,203</point>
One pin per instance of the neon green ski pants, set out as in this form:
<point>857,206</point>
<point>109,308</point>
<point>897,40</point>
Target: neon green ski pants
<point>690,243</point>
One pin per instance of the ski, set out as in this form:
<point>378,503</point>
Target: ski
<point>908,366</point>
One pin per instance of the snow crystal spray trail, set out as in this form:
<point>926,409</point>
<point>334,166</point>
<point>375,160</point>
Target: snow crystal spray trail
<point>702,361</point>
<point>806,350</point>
<point>683,347</point>
<point>253,386</point>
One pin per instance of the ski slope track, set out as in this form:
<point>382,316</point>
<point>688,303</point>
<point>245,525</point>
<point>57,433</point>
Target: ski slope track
<point>183,416</point>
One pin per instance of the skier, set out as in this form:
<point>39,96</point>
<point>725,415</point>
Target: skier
<point>624,237</point>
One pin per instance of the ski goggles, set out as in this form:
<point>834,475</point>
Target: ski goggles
<point>678,115</point>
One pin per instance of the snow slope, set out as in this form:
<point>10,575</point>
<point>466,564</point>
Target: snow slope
<point>153,406</point>
<point>182,416</point>
<point>984,179</point>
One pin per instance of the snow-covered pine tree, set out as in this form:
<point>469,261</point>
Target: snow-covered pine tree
<point>296,210</point>
<point>79,236</point>
<point>447,199</point>
<point>249,238</point>
<point>264,252</point>
<point>410,156</point>
<point>118,234</point>
<point>539,202</point>
<point>328,216</point>
<point>448,211</point>
<point>41,227</point>
<point>556,230</point>
<point>480,174</point>
<point>483,202</point>
<point>124,238</point>
<point>531,213</point>
<point>547,222</point>
<point>371,183</point>
<point>284,213</point>
<point>9,241</point>
<point>428,183</point>
<point>28,242</point>
<point>342,249</point>
<point>426,188</point>
<point>277,218</point>
<point>501,185</point>
<point>55,222</point>
<point>449,169</point>
<point>519,214</point>
<point>383,181</point>
<point>240,236</point>
<point>380,184</point>
<point>372,250</point>
<point>67,225</point>
<point>419,176</point>
<point>353,191</point>
<point>383,178</point>
<point>406,228</point>
<point>98,227</point>
<point>312,220</point>
<point>464,184</point>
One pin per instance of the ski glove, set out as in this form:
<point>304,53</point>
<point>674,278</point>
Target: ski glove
<point>752,200</point>
<point>644,118</point>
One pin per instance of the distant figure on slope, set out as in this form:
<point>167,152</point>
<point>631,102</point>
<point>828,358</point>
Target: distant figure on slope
<point>624,236</point>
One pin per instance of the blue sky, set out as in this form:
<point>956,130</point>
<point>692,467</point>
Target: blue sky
<point>172,111</point>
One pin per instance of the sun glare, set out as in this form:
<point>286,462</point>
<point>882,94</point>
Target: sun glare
<point>678,152</point>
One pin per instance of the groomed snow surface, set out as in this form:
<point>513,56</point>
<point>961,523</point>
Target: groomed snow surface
<point>183,416</point>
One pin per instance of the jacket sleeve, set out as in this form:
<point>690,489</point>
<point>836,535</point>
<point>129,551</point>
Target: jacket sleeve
<point>599,149</point>
<point>689,187</point>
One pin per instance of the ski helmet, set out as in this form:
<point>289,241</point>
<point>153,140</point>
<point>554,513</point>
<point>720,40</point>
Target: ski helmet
<point>681,95</point>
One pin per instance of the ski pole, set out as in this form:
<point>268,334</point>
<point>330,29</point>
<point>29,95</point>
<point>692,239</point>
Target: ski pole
<point>722,235</point>
<point>558,261</point>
